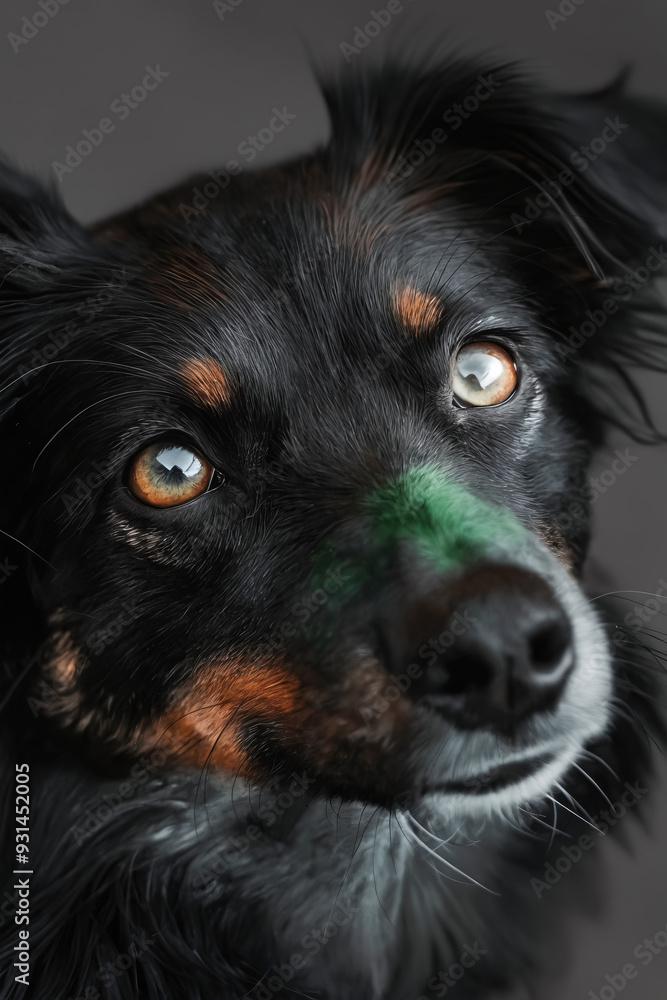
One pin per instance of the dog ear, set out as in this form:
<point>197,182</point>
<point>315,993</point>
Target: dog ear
<point>574,188</point>
<point>617,146</point>
<point>47,262</point>
<point>36,232</point>
<point>42,250</point>
<point>618,143</point>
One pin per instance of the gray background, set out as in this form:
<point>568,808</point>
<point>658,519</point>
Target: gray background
<point>225,77</point>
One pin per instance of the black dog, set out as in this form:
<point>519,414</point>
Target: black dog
<point>296,666</point>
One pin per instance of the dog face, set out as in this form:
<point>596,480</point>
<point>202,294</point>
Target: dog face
<point>296,473</point>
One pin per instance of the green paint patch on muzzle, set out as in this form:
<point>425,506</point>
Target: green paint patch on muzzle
<point>448,525</point>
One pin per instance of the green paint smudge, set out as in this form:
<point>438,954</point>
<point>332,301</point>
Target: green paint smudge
<point>448,525</point>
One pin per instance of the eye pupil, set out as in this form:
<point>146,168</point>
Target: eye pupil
<point>166,474</point>
<point>484,374</point>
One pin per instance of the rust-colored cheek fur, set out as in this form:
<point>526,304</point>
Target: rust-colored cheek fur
<point>204,725</point>
<point>324,723</point>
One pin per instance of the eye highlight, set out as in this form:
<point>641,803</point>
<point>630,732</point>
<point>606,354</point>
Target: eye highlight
<point>484,374</point>
<point>166,474</point>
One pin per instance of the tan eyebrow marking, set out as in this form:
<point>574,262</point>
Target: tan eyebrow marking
<point>206,382</point>
<point>417,311</point>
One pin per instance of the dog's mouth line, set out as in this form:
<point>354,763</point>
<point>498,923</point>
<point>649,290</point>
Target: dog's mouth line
<point>496,778</point>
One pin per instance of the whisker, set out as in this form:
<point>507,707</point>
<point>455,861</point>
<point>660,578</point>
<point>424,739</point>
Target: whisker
<point>88,361</point>
<point>572,811</point>
<point>23,545</point>
<point>377,895</point>
<point>98,402</point>
<point>594,756</point>
<point>409,817</point>
<point>594,783</point>
<point>553,832</point>
<point>620,593</point>
<point>355,848</point>
<point>534,816</point>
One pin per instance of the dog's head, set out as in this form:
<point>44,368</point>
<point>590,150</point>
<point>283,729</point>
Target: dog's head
<point>299,478</point>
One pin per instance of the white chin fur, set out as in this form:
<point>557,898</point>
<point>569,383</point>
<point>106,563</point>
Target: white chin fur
<point>504,801</point>
<point>582,714</point>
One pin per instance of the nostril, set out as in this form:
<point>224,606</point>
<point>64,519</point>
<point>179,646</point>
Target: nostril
<point>491,649</point>
<point>467,671</point>
<point>456,673</point>
<point>548,645</point>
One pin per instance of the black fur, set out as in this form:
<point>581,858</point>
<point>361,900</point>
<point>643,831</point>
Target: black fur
<point>290,273</point>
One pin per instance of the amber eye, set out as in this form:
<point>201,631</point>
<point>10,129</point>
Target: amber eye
<point>484,374</point>
<point>166,474</point>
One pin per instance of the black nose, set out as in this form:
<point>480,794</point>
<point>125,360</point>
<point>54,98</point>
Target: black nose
<point>487,651</point>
